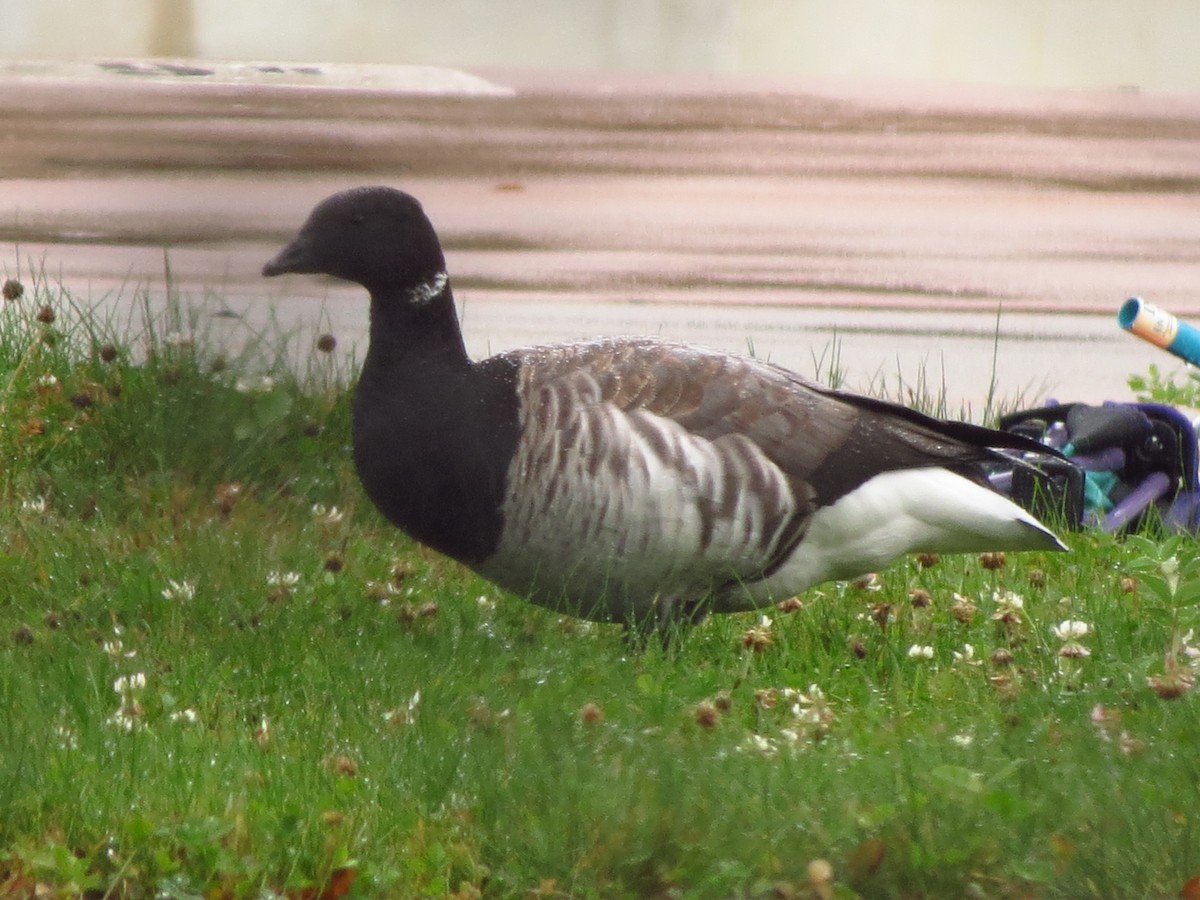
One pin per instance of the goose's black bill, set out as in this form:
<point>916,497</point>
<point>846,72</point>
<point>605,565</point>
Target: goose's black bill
<point>295,258</point>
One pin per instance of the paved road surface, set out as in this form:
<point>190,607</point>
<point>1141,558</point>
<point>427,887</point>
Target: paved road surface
<point>915,232</point>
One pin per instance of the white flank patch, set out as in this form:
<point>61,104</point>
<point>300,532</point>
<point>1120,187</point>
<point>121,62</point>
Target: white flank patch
<point>908,511</point>
<point>428,290</point>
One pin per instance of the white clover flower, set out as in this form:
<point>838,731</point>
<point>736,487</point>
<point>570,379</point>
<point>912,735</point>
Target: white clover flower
<point>760,744</point>
<point>963,740</point>
<point>67,739</point>
<point>1186,648</point>
<point>261,385</point>
<point>1071,630</point>
<point>185,715</point>
<point>179,590</point>
<point>810,708</point>
<point>324,515</point>
<point>1008,601</point>
<point>127,718</point>
<point>920,651</point>
<point>34,504</point>
<point>127,685</point>
<point>966,656</point>
<point>286,580</point>
<point>115,648</point>
<point>47,381</point>
<point>177,339</point>
<point>403,714</point>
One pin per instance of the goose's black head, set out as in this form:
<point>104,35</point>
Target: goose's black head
<point>378,237</point>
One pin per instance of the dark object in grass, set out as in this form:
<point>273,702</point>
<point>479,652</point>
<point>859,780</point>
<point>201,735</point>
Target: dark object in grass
<point>634,479</point>
<point>12,289</point>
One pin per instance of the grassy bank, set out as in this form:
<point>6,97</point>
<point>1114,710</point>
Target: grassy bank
<point>223,675</point>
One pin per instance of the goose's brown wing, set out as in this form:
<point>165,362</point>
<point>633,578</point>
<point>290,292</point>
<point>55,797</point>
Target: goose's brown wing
<point>827,441</point>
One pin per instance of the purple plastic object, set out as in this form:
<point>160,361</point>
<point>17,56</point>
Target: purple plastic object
<point>1152,487</point>
<point>1110,459</point>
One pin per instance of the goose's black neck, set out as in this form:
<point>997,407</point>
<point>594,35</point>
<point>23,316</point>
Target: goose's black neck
<point>433,432</point>
<point>405,334</point>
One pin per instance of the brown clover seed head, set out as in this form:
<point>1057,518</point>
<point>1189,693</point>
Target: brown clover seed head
<point>45,315</point>
<point>791,604</point>
<point>757,639</point>
<point>928,560</point>
<point>334,563</point>
<point>311,429</point>
<point>1171,685</point>
<point>1001,658</point>
<point>963,610</point>
<point>1073,650</point>
<point>227,495</point>
<point>706,713</point>
<point>341,764</point>
<point>108,353</point>
<point>919,598</point>
<point>1129,585</point>
<point>22,635</point>
<point>591,714</point>
<point>1037,577</point>
<point>12,289</point>
<point>81,400</point>
<point>992,561</point>
<point>326,343</point>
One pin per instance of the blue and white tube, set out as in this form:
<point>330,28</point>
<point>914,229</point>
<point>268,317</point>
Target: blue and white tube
<point>1161,329</point>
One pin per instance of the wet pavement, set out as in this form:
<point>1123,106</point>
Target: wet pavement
<point>893,233</point>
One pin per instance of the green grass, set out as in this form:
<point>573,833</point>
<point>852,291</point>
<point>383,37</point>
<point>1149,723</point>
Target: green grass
<point>390,725</point>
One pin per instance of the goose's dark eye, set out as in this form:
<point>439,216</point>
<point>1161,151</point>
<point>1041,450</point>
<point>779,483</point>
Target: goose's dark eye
<point>358,219</point>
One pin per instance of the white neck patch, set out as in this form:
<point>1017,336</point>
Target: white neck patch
<point>426,291</point>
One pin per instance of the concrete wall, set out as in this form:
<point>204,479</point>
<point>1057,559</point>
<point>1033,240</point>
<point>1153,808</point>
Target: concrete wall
<point>1152,44</point>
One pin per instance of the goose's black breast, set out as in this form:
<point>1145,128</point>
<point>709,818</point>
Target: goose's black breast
<point>433,454</point>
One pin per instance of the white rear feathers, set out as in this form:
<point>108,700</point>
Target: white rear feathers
<point>908,511</point>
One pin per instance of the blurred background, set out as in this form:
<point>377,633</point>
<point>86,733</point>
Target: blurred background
<point>958,191</point>
<point>1148,44</point>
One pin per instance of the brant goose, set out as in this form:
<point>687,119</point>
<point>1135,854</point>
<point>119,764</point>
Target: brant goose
<point>634,480</point>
